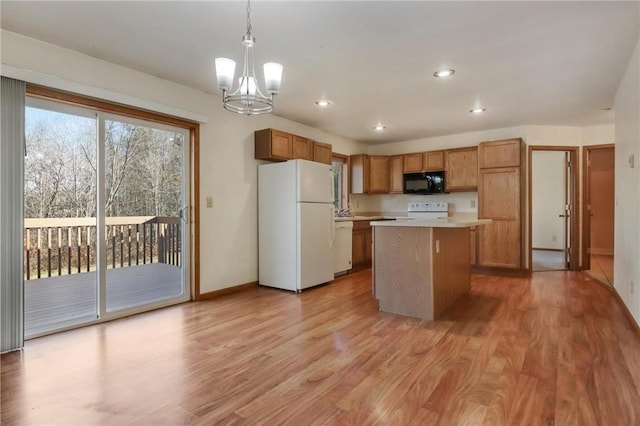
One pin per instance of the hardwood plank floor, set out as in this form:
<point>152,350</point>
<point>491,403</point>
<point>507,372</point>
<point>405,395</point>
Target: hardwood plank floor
<point>555,348</point>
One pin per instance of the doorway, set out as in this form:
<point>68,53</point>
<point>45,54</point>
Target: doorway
<point>105,229</point>
<point>599,202</point>
<point>553,184</point>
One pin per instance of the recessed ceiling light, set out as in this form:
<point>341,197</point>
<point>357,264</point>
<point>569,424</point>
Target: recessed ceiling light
<point>478,110</point>
<point>323,103</point>
<point>378,127</point>
<point>444,73</point>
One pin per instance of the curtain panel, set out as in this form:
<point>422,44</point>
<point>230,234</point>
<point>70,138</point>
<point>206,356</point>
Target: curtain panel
<point>12,151</point>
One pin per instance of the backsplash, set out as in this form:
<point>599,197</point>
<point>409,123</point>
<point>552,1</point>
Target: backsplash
<point>396,204</point>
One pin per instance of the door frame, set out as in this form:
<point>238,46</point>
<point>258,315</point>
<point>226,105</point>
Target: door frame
<point>574,218</point>
<point>192,187</point>
<point>586,220</point>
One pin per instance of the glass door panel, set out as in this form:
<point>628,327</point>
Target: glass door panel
<point>144,199</point>
<point>60,279</point>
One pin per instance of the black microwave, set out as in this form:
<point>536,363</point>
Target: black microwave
<point>423,183</point>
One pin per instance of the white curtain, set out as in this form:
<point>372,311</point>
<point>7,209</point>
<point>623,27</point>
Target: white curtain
<point>12,151</point>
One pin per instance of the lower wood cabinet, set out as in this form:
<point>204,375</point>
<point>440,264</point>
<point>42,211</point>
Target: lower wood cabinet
<point>361,244</point>
<point>499,199</point>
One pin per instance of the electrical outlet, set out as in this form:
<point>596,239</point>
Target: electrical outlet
<point>631,286</point>
<point>209,202</point>
<point>632,161</point>
<point>473,203</point>
<point>554,238</point>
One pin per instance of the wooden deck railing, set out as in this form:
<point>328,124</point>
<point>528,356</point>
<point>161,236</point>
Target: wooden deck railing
<point>64,246</point>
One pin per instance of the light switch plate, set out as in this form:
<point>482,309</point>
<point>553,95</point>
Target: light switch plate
<point>632,160</point>
<point>209,202</point>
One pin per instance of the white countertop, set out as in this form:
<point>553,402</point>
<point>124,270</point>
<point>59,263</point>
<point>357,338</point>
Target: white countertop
<point>450,222</point>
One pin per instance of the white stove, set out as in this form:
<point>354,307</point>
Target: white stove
<point>428,210</point>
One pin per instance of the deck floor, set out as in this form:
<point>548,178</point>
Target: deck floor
<point>57,302</point>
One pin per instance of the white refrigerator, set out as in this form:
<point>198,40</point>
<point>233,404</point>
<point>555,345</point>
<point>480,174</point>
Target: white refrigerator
<point>295,224</point>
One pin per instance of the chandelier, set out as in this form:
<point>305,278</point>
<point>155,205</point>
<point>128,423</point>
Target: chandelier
<point>247,98</point>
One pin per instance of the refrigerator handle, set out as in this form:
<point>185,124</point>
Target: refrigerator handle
<point>332,224</point>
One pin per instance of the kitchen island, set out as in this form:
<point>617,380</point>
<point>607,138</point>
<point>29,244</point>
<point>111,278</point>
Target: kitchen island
<point>421,267</point>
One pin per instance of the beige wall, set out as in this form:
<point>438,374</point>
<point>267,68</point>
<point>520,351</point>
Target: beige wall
<point>228,237</point>
<point>626,276</point>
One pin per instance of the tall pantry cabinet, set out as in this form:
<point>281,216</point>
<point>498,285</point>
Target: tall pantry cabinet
<point>501,199</point>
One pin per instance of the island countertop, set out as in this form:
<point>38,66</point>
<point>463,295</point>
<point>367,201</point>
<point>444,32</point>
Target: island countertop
<point>450,222</point>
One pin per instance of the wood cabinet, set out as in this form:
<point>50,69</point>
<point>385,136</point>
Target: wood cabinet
<point>502,153</point>
<point>412,162</point>
<point>433,161</point>
<point>430,161</point>
<point>302,148</point>
<point>396,167</point>
<point>473,245</point>
<point>501,199</point>
<point>276,145</point>
<point>461,166</point>
<point>322,152</point>
<point>361,244</point>
<point>369,174</point>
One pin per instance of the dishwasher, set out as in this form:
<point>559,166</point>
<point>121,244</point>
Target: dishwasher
<point>342,246</point>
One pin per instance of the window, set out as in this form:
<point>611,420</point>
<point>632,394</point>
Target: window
<point>339,166</point>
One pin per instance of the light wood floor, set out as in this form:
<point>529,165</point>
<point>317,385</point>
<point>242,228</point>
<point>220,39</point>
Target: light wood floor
<point>552,349</point>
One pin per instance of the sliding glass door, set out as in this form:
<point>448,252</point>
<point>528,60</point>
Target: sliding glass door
<point>106,220</point>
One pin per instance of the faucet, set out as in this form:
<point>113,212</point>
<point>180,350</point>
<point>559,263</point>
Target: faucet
<point>344,212</point>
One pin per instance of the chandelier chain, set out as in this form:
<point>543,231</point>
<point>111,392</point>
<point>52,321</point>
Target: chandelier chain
<point>249,17</point>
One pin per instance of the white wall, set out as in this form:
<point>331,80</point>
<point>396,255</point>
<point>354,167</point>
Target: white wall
<point>547,196</point>
<point>627,209</point>
<point>228,171</point>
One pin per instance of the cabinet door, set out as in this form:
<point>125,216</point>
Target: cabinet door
<point>378,174</point>
<point>502,153</point>
<point>359,173</point>
<point>322,152</point>
<point>433,161</point>
<point>395,174</point>
<point>281,144</point>
<point>499,243</point>
<point>462,169</point>
<point>357,247</point>
<point>302,148</point>
<point>368,245</point>
<point>412,162</point>
<point>473,245</point>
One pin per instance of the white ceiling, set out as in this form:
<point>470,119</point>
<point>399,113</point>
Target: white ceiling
<point>535,63</point>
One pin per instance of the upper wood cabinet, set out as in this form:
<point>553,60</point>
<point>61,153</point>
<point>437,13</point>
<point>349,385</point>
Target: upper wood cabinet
<point>369,174</point>
<point>500,198</point>
<point>396,168</point>
<point>378,174</point>
<point>430,161</point>
<point>302,148</point>
<point>433,161</point>
<point>461,166</point>
<point>502,153</point>
<point>412,162</point>
<point>275,145</point>
<point>322,152</point>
